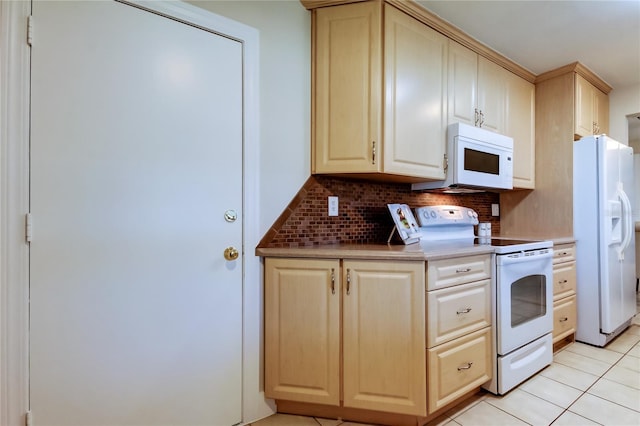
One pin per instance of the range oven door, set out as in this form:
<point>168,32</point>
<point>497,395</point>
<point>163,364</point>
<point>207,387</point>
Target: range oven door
<point>524,305</point>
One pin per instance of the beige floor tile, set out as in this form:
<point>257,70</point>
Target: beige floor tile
<point>624,376</point>
<point>623,343</point>
<point>483,414</point>
<point>356,424</point>
<point>328,422</point>
<point>569,376</point>
<point>526,407</point>
<point>550,390</point>
<point>617,393</point>
<point>466,404</point>
<point>279,419</point>
<point>582,363</point>
<point>633,329</point>
<point>443,420</point>
<point>571,419</point>
<point>601,354</point>
<point>604,412</point>
<point>635,351</point>
<point>630,362</point>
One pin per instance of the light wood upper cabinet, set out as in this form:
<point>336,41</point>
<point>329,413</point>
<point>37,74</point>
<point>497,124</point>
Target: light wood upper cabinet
<point>384,336</point>
<point>481,93</point>
<point>520,125</point>
<point>352,102</point>
<point>591,109</point>
<point>477,90</point>
<point>302,330</point>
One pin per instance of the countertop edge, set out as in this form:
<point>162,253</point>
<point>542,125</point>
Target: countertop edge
<point>412,252</point>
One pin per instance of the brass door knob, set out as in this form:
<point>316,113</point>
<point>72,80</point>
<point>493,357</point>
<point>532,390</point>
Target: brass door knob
<point>231,253</point>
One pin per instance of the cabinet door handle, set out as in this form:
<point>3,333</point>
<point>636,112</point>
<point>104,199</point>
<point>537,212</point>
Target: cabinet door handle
<point>481,118</point>
<point>348,281</point>
<point>463,311</point>
<point>465,367</point>
<point>333,281</point>
<point>475,117</point>
<point>462,271</point>
<point>564,319</point>
<point>373,152</point>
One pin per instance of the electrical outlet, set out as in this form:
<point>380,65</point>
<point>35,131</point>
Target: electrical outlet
<point>495,209</point>
<point>333,206</point>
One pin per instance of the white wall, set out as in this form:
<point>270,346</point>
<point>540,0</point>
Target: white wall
<point>622,102</point>
<point>285,93</point>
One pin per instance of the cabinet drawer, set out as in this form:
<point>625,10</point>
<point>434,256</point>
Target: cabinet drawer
<point>564,318</point>
<point>564,253</point>
<point>455,311</point>
<point>449,272</point>
<point>458,367</point>
<point>564,280</point>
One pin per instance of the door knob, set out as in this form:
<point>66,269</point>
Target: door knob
<point>230,215</point>
<point>231,253</point>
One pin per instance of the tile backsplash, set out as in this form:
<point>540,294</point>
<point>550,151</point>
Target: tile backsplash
<point>363,214</point>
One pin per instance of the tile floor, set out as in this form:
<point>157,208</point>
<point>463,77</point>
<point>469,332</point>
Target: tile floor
<point>585,385</point>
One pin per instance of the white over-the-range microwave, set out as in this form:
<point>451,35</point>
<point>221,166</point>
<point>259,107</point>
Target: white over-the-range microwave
<point>477,160</point>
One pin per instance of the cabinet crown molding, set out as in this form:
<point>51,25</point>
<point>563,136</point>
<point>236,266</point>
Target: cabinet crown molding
<point>432,20</point>
<point>580,69</point>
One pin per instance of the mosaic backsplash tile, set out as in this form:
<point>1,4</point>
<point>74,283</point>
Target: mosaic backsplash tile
<point>363,214</point>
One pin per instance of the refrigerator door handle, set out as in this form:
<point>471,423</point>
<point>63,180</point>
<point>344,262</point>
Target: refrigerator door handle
<point>627,221</point>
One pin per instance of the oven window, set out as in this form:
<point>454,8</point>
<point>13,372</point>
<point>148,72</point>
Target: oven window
<point>528,299</point>
<point>483,162</point>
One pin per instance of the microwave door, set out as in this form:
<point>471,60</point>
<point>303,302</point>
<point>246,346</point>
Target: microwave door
<point>483,165</point>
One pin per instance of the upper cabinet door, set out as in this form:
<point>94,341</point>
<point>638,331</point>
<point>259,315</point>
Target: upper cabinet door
<point>591,109</point>
<point>492,95</point>
<point>415,111</point>
<point>520,125</point>
<point>583,107</point>
<point>348,88</point>
<point>463,85</point>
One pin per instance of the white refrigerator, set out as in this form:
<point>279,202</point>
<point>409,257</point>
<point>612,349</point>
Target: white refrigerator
<point>603,227</point>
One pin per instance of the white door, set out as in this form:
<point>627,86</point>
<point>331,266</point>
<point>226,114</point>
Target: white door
<point>136,155</point>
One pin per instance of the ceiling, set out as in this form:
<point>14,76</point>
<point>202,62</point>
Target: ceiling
<point>543,35</point>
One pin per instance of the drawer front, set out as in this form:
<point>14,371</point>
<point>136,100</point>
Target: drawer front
<point>564,280</point>
<point>449,272</point>
<point>458,367</point>
<point>455,311</point>
<point>564,318</point>
<point>564,253</point>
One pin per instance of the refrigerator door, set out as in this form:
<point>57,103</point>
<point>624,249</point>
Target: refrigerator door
<point>617,250</point>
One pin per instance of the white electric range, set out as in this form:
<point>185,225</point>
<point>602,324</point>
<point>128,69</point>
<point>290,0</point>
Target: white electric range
<point>522,292</point>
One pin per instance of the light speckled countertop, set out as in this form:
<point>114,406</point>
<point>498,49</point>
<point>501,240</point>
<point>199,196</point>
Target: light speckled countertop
<point>416,251</point>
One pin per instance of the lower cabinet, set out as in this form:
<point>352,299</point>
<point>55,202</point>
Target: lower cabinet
<point>459,342</point>
<point>367,335</point>
<point>564,292</point>
<point>381,334</point>
<point>459,366</point>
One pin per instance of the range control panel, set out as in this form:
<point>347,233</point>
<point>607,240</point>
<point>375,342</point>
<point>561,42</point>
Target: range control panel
<point>446,216</point>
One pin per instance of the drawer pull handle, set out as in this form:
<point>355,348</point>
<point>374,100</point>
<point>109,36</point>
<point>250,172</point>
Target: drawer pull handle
<point>465,367</point>
<point>564,319</point>
<point>464,311</point>
<point>333,281</point>
<point>562,282</point>
<point>461,271</point>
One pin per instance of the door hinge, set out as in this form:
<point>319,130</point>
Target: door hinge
<point>30,30</point>
<point>28,419</point>
<point>28,227</point>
